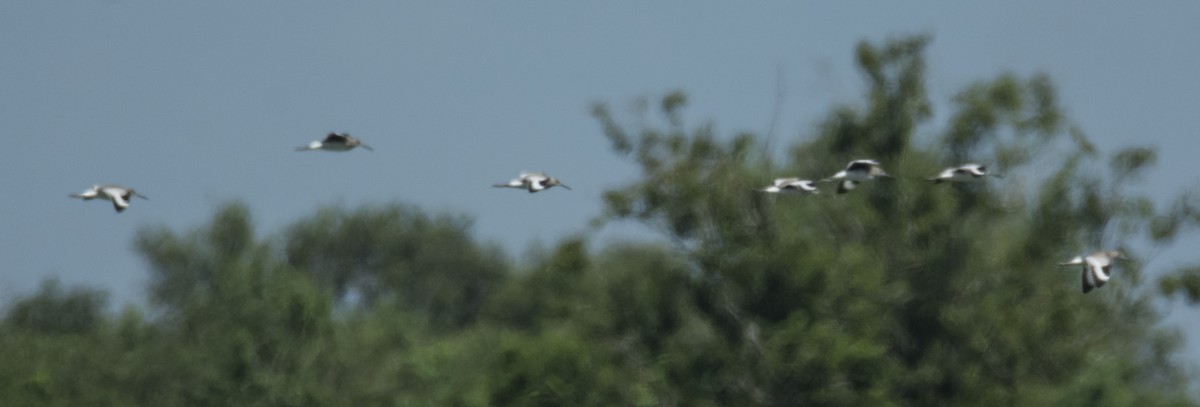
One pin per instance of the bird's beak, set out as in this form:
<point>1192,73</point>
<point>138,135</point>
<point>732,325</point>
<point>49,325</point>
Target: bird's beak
<point>565,186</point>
<point>367,147</point>
<point>141,196</point>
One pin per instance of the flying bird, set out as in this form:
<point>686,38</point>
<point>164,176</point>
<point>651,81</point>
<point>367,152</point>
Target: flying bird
<point>857,171</point>
<point>1096,267</point>
<point>532,181</point>
<point>791,186</point>
<point>119,195</point>
<point>335,142</point>
<point>963,173</point>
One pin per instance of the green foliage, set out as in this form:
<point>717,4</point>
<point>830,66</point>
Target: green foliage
<point>430,266</point>
<point>245,327</point>
<point>1186,283</point>
<point>557,368</point>
<point>54,312</point>
<point>899,293</point>
<point>546,294</point>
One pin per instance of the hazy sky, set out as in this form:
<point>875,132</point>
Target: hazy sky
<point>199,103</point>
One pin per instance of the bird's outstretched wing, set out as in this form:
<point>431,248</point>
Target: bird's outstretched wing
<point>783,182</point>
<point>861,165</point>
<point>119,202</point>
<point>858,166</point>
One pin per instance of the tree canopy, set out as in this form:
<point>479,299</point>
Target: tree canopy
<point>900,292</point>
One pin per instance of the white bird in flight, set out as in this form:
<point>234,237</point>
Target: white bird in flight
<point>962,173</point>
<point>335,142</point>
<point>791,186</point>
<point>857,171</point>
<point>1096,267</point>
<point>532,181</point>
<point>119,195</point>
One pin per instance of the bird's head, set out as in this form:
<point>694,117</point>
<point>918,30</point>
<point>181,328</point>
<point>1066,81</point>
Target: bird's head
<point>554,181</point>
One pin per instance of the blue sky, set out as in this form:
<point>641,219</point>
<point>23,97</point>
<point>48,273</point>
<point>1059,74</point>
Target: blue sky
<point>199,103</point>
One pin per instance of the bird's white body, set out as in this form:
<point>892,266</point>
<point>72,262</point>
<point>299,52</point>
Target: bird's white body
<point>335,142</point>
<point>963,173</point>
<point>855,172</point>
<point>791,186</point>
<point>532,181</point>
<point>1096,268</point>
<point>118,195</point>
